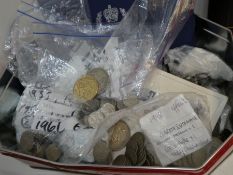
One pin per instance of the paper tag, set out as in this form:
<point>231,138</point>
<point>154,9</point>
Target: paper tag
<point>54,124</point>
<point>56,108</point>
<point>175,130</point>
<point>48,123</point>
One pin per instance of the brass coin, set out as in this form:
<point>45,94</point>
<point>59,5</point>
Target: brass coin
<point>53,153</point>
<point>102,77</point>
<point>122,160</point>
<point>27,140</point>
<point>86,88</point>
<point>120,134</point>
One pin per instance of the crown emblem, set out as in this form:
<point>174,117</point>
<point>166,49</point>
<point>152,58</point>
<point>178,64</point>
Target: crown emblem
<point>111,14</point>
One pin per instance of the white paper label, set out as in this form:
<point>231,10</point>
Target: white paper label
<point>56,108</point>
<point>54,124</point>
<point>175,130</point>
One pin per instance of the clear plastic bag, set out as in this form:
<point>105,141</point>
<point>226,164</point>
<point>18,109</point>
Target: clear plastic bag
<point>46,57</point>
<point>70,17</point>
<point>197,64</point>
<point>163,130</point>
<point>133,49</point>
<point>142,39</point>
<point>51,119</point>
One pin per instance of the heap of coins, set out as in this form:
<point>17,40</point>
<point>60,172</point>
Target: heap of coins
<point>136,153</point>
<point>38,145</point>
<point>119,135</point>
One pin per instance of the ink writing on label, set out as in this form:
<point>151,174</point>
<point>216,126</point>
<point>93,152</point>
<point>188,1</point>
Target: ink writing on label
<point>156,116</point>
<point>55,108</point>
<point>53,124</point>
<point>26,121</point>
<point>76,127</point>
<point>175,130</point>
<point>178,104</point>
<point>49,126</point>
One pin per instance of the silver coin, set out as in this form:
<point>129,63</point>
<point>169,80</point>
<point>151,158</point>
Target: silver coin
<point>27,141</point>
<point>90,106</point>
<point>53,153</point>
<point>120,105</point>
<point>102,77</point>
<point>95,119</point>
<point>108,100</point>
<point>38,150</point>
<point>102,154</point>
<point>107,108</point>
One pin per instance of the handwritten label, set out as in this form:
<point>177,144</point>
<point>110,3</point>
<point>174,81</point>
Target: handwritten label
<point>54,124</point>
<point>56,108</point>
<point>48,123</point>
<point>175,130</point>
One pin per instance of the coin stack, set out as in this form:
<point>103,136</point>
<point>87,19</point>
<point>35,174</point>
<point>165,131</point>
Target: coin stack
<point>39,145</point>
<point>136,153</point>
<point>97,117</point>
<point>119,135</point>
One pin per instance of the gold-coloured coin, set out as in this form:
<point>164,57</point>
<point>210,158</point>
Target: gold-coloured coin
<point>120,134</point>
<point>86,88</point>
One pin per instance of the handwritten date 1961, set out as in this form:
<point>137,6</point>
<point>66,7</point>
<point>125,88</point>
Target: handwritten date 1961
<point>49,126</point>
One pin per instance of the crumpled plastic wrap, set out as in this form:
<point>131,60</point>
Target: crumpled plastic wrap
<point>197,64</point>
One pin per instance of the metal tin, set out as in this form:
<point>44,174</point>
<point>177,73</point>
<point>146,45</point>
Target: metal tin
<point>204,30</point>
